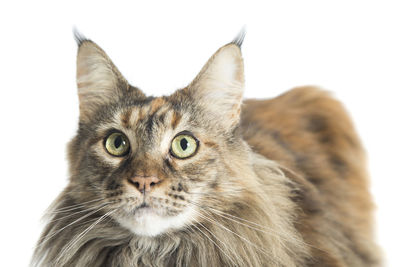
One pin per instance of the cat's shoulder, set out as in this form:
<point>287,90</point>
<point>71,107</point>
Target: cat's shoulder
<point>305,100</point>
<point>304,116</point>
<point>308,130</point>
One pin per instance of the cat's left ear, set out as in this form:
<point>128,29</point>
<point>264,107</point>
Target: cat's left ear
<point>218,88</point>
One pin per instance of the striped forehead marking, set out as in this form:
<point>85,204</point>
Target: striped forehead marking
<point>158,109</point>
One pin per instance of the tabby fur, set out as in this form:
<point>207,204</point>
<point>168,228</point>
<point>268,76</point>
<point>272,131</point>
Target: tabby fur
<point>277,182</point>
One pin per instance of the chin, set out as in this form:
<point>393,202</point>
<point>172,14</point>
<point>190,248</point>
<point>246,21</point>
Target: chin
<point>148,222</point>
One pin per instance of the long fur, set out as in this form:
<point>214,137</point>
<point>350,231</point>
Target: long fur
<point>239,236</point>
<point>278,182</point>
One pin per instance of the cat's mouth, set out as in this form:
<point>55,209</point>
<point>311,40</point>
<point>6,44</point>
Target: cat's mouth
<point>144,207</point>
<point>145,210</point>
<point>152,219</point>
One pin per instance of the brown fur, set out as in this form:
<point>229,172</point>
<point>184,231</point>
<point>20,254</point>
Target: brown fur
<point>277,182</point>
<point>308,132</point>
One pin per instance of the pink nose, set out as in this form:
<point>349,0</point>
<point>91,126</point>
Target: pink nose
<point>144,183</point>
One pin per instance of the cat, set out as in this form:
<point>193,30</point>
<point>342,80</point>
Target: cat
<point>204,178</point>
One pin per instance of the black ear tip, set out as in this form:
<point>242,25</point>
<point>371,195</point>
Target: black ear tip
<point>79,37</point>
<point>240,37</point>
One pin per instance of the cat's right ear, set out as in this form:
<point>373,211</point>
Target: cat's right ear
<point>218,88</point>
<point>98,79</point>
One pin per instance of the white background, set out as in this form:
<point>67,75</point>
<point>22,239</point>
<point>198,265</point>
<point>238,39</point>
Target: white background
<point>348,47</point>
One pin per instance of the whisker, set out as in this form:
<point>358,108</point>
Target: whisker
<point>266,231</point>
<point>212,240</point>
<point>81,235</point>
<point>74,213</point>
<point>233,217</point>
<point>97,190</point>
<point>74,206</point>
<point>59,230</point>
<point>252,189</point>
<point>229,230</point>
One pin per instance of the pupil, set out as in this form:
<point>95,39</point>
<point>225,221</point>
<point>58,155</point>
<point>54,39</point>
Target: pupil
<point>184,143</point>
<point>118,141</point>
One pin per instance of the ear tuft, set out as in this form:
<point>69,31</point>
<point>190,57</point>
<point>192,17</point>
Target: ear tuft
<point>79,37</point>
<point>240,37</point>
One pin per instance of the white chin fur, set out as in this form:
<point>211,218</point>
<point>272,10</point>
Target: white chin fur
<point>148,223</point>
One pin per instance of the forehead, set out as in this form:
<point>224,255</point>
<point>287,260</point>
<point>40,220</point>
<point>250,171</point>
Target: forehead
<point>146,119</point>
<point>156,112</point>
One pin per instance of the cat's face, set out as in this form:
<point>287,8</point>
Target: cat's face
<point>154,164</point>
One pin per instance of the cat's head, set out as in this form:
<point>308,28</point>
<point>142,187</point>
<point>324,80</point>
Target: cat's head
<point>155,164</point>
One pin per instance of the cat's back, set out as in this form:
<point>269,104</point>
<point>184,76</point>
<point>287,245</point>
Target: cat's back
<point>309,132</point>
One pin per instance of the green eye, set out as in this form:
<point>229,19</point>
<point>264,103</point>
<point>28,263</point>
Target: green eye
<point>117,144</point>
<point>184,146</point>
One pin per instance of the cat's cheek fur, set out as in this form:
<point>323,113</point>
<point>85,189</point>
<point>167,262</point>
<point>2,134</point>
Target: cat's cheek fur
<point>104,156</point>
<point>148,223</point>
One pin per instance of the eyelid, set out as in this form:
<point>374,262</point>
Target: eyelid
<point>115,131</point>
<point>187,133</point>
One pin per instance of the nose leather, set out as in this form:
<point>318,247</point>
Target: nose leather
<point>144,183</point>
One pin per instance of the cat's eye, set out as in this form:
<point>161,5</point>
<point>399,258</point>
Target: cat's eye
<point>117,144</point>
<point>184,145</point>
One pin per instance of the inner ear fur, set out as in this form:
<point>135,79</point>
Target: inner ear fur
<point>98,79</point>
<point>218,88</point>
